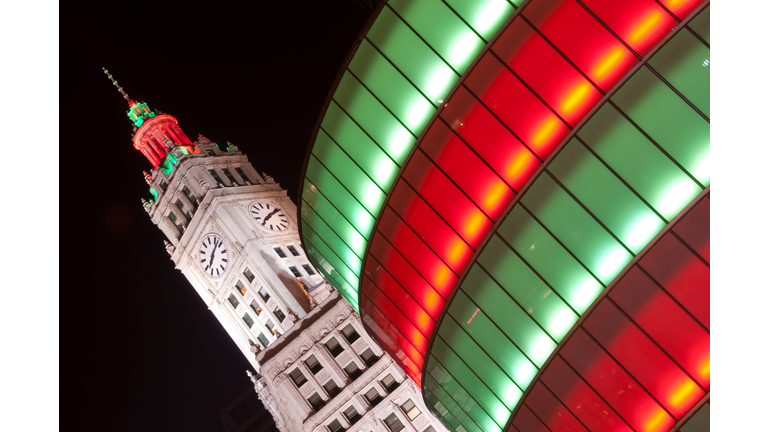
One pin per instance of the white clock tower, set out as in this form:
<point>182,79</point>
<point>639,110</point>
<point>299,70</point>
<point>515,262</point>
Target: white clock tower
<point>232,232</point>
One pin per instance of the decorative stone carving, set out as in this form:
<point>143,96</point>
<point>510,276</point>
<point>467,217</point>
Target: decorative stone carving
<point>204,185</point>
<point>255,348</point>
<point>147,205</point>
<point>291,314</point>
<point>169,247</point>
<point>232,148</point>
<point>253,377</point>
<point>202,140</point>
<point>148,178</point>
<point>267,179</point>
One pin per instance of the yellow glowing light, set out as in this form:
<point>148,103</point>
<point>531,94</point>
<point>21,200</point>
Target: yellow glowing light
<point>442,276</point>
<point>655,421</point>
<point>457,250</point>
<point>517,165</point>
<point>575,98</point>
<point>704,369</point>
<point>674,3</point>
<point>474,223</point>
<point>683,393</point>
<point>645,27</point>
<point>545,131</point>
<point>609,63</point>
<point>423,320</point>
<point>493,196</point>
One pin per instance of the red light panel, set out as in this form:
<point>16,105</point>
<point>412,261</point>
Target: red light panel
<point>547,408</point>
<point>694,228</point>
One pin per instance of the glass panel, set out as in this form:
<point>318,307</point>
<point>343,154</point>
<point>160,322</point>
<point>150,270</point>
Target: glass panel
<point>664,321</point>
<point>412,56</point>
<point>682,275</point>
<point>330,272</point>
<point>684,63</point>
<point>512,320</point>
<point>453,413</point>
<point>668,120</point>
<point>605,196</point>
<point>371,115</point>
<point>681,8</point>
<point>578,232</point>
<point>607,377</point>
<point>334,242</point>
<point>643,359</point>
<point>694,228</point>
<point>480,363</point>
<point>405,352</point>
<point>700,24</point>
<point>329,254</point>
<point>547,408</point>
<point>442,29</point>
<point>528,290</point>
<point>485,16</point>
<point>526,421</point>
<point>546,72</point>
<point>331,216</point>
<point>581,38</point>
<point>640,163</point>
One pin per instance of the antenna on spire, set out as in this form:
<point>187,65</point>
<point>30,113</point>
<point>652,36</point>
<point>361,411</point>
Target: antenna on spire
<point>120,89</point>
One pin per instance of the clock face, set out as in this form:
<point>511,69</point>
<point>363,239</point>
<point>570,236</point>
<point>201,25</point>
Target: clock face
<point>269,217</point>
<point>213,255</point>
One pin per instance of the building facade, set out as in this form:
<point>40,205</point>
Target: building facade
<point>515,196</point>
<point>246,413</point>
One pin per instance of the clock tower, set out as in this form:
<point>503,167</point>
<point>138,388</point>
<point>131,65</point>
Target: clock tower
<point>231,231</point>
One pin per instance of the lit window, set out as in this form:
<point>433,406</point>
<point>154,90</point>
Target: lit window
<point>351,414</point>
<point>241,174</point>
<point>293,250</point>
<point>179,226</point>
<point>215,176</point>
<point>410,409</point>
<point>308,269</point>
<point>335,426</point>
<point>248,275</point>
<point>373,397</point>
<point>279,314</point>
<point>264,294</point>
<point>226,172</point>
<point>350,333</point>
<point>240,287</point>
<point>190,196</point>
<point>313,365</point>
<point>280,252</point>
<point>180,206</point>
<point>294,271</point>
<point>353,371</point>
<point>331,388</point>
<point>298,377</point>
<point>316,401</point>
<point>248,320</point>
<point>334,347</point>
<point>163,185</point>
<point>389,383</point>
<point>393,423</point>
<point>256,308</point>
<point>368,357</point>
<point>271,327</point>
<point>233,300</point>
<point>263,339</point>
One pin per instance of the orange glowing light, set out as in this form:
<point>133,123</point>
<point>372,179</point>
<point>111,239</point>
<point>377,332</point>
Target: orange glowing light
<point>457,250</point>
<point>682,393</point>
<point>431,298</point>
<point>517,165</point>
<point>704,370</point>
<point>645,27</point>
<point>673,3</point>
<point>442,276</point>
<point>575,98</point>
<point>495,195</point>
<point>423,320</point>
<point>609,63</point>
<point>656,420</point>
<point>545,131</point>
<point>474,224</point>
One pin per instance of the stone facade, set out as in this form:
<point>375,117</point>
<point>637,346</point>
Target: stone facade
<point>353,372</point>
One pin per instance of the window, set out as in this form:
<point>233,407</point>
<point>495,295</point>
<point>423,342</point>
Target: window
<point>180,206</point>
<point>368,357</point>
<point>350,333</point>
<point>316,401</point>
<point>179,226</point>
<point>308,269</point>
<point>331,388</point>
<point>264,294</point>
<point>248,320</point>
<point>279,314</point>
<point>241,174</point>
<point>190,196</point>
<point>334,347</point>
<point>373,397</point>
<point>294,271</point>
<point>410,409</point>
<point>293,250</point>
<point>256,308</point>
<point>353,371</point>
<point>240,287</point>
<point>233,300</point>
<point>280,252</point>
<point>298,378</point>
<point>210,153</point>
<point>313,365</point>
<point>429,429</point>
<point>229,176</point>
<point>389,383</point>
<point>393,423</point>
<point>163,185</point>
<point>335,426</point>
<point>351,414</point>
<point>263,339</point>
<point>271,327</point>
<point>215,176</point>
<point>248,275</point>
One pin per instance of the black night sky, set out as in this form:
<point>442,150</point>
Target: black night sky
<point>139,349</point>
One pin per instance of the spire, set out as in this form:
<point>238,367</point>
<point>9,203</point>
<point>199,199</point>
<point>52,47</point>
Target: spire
<point>120,89</point>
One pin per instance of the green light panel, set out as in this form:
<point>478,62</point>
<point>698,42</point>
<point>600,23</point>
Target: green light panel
<point>404,67</point>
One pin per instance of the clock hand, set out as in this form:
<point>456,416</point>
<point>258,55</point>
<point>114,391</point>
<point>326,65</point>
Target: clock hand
<point>269,216</point>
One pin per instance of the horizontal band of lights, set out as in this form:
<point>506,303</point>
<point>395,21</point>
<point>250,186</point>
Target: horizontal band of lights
<point>402,70</point>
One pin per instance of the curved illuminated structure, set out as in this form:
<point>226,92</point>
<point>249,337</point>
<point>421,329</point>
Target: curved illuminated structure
<point>515,197</point>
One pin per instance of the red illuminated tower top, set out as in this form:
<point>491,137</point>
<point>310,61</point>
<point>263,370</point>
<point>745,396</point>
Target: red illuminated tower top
<point>158,137</point>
